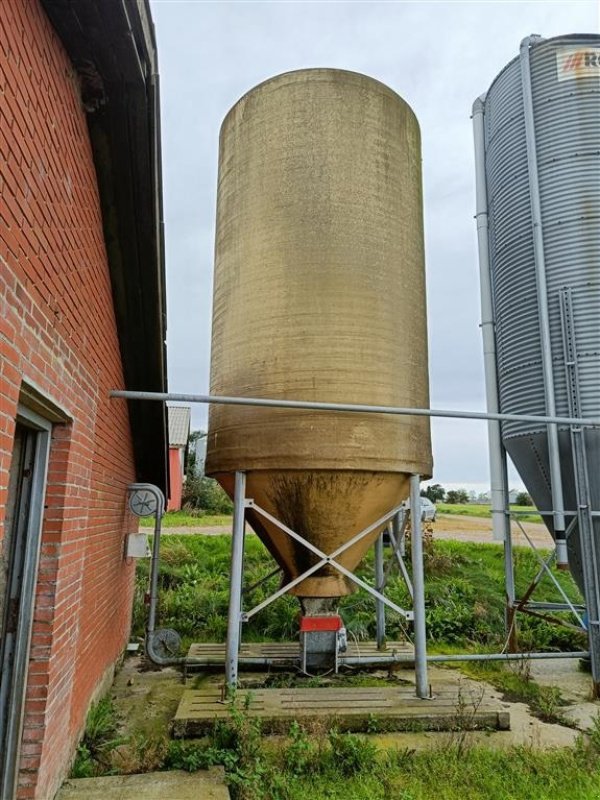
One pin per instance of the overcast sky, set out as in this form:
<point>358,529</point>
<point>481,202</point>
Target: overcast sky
<point>438,56</point>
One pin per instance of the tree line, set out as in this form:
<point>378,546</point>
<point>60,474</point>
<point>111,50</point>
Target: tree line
<point>437,494</point>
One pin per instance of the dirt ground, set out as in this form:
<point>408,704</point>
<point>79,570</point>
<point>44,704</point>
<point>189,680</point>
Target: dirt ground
<point>447,526</point>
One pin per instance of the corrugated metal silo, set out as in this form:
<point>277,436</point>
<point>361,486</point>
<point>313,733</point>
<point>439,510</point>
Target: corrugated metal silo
<point>542,175</point>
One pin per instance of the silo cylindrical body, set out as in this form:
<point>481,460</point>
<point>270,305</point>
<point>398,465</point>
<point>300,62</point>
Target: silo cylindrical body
<point>565,142</point>
<point>319,295</point>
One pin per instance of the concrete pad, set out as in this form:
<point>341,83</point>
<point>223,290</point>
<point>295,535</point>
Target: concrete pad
<point>348,708</point>
<point>206,784</point>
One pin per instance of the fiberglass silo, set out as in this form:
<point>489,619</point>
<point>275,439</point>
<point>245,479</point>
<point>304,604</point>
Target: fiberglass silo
<point>319,295</point>
<point>539,162</point>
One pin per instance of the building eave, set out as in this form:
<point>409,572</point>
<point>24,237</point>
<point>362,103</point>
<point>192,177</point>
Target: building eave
<point>112,47</point>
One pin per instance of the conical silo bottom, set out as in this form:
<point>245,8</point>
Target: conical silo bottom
<point>530,456</point>
<point>327,508</point>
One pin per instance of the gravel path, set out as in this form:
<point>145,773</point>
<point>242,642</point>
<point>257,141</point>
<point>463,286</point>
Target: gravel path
<point>447,526</point>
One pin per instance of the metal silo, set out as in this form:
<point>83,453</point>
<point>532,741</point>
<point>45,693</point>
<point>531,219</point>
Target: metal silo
<point>537,139</point>
<point>319,295</point>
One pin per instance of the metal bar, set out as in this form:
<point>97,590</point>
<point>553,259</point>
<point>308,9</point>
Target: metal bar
<point>265,402</point>
<point>548,618</point>
<point>508,656</point>
<point>533,585</point>
<point>325,559</point>
<point>291,533</point>
<point>587,538</point>
<point>543,606</point>
<point>235,586</point>
<point>395,658</point>
<point>401,563</point>
<point>542,289</point>
<point>549,573</point>
<point>249,589</point>
<point>379,585</point>
<point>155,561</point>
<point>416,549</point>
<point>246,615</point>
<point>363,585</point>
<point>509,566</point>
<point>498,486</point>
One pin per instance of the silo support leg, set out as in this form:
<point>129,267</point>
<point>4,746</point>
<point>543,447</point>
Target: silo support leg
<point>416,543</point>
<point>235,586</point>
<point>380,586</point>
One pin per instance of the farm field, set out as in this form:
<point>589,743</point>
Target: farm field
<point>529,514</point>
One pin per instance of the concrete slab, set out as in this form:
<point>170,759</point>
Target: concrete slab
<point>176,785</point>
<point>349,709</point>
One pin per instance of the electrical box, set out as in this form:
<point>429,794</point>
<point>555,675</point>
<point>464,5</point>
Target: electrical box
<point>137,546</point>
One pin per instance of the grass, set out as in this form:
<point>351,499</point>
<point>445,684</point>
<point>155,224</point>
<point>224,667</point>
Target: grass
<point>191,519</point>
<point>187,519</point>
<point>464,593</point>
<point>465,610</point>
<point>476,510</point>
<point>100,739</point>
<point>316,764</point>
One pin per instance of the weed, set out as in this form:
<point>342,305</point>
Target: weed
<point>373,724</point>
<point>99,738</point>
<point>299,755</point>
<point>351,753</point>
<point>192,756</point>
<point>464,719</point>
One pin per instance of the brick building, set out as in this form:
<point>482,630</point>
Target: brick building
<point>82,311</point>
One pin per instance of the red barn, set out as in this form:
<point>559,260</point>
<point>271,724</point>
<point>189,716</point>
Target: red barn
<point>179,433</point>
<point>82,311</point>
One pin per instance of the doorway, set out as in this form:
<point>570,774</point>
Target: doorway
<point>18,579</point>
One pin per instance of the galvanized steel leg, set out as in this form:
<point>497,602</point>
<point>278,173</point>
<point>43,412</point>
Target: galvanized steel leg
<point>510,619</point>
<point>235,586</point>
<point>379,585</point>
<point>416,546</point>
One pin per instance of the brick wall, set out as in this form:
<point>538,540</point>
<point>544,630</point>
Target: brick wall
<point>57,332</point>
<point>175,478</point>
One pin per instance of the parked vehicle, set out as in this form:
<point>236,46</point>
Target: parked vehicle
<point>428,509</point>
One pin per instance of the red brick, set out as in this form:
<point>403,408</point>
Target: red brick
<point>57,329</point>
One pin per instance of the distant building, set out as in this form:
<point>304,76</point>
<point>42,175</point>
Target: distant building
<point>82,311</point>
<point>179,434</point>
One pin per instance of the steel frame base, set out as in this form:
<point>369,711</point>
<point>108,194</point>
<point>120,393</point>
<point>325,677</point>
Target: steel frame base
<point>237,616</point>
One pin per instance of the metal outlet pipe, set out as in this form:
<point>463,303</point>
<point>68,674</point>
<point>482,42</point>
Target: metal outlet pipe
<point>267,402</point>
<point>153,655</point>
<point>499,490</point>
<point>355,661</point>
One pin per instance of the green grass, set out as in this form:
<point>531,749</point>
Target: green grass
<point>185,519</point>
<point>475,510</point>
<point>464,592</point>
<point>321,764</point>
<point>448,774</point>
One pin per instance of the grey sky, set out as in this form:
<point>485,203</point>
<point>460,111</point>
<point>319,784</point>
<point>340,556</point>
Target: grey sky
<point>438,57</point>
